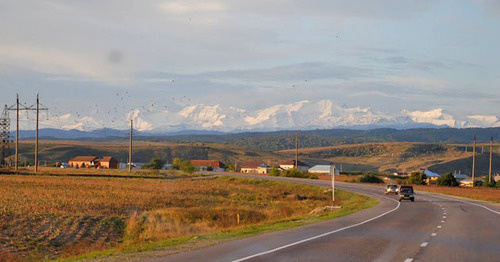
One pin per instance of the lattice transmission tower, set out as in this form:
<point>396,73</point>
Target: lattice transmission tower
<point>4,136</point>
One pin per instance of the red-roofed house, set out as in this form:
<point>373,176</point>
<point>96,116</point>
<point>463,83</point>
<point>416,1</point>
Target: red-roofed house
<point>83,161</point>
<point>108,162</point>
<point>255,167</point>
<point>204,165</point>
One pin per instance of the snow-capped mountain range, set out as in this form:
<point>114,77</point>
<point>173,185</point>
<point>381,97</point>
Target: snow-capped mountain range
<point>301,115</point>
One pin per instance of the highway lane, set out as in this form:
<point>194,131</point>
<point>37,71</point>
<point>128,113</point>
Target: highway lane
<point>433,228</point>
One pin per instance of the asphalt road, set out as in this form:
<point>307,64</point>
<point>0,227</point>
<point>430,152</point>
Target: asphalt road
<point>433,228</point>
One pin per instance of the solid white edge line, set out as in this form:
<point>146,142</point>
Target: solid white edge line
<point>321,235</point>
<point>466,202</point>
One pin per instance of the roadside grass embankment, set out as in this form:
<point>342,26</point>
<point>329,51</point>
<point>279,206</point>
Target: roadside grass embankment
<point>477,193</point>
<point>69,217</point>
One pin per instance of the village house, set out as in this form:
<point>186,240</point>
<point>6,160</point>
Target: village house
<point>255,167</point>
<point>93,161</point>
<point>431,176</point>
<point>107,162</point>
<point>83,161</point>
<point>302,167</point>
<point>208,165</point>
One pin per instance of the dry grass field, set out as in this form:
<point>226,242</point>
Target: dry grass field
<point>48,217</point>
<point>479,193</point>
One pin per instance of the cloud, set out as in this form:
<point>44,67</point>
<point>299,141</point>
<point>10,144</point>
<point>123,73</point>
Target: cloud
<point>56,62</point>
<point>435,117</point>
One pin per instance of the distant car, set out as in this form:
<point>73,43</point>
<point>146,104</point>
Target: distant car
<point>391,189</point>
<point>406,193</point>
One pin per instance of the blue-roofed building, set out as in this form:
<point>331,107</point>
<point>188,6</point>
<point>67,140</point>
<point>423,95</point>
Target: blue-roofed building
<point>431,176</point>
<point>255,167</point>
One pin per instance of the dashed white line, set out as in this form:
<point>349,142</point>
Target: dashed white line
<point>434,234</point>
<point>424,244</point>
<point>408,260</point>
<point>444,216</point>
<point>442,221</point>
<point>439,226</point>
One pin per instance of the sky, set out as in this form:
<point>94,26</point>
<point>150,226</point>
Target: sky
<point>96,62</point>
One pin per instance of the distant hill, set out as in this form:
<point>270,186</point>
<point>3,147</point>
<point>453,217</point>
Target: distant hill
<point>279,140</point>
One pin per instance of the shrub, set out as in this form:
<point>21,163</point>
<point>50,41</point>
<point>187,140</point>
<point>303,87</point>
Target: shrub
<point>417,178</point>
<point>274,172</point>
<point>370,179</point>
<point>487,183</point>
<point>293,172</point>
<point>155,163</point>
<point>182,164</point>
<point>447,180</point>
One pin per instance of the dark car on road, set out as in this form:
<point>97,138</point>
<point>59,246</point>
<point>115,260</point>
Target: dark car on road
<point>406,193</point>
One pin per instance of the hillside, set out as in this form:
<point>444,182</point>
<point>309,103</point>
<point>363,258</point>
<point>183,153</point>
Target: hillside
<point>279,140</point>
<point>51,151</point>
<point>401,157</point>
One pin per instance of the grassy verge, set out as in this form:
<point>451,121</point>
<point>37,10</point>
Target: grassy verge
<point>351,203</point>
<point>477,193</point>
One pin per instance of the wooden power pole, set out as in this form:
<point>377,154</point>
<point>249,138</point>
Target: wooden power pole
<point>17,132</point>
<point>491,158</point>
<point>473,160</point>
<point>130,146</point>
<point>297,150</point>
<point>25,108</point>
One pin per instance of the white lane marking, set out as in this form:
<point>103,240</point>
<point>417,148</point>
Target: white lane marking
<point>444,213</point>
<point>408,260</point>
<point>442,221</point>
<point>434,234</point>
<point>439,226</point>
<point>467,202</point>
<point>321,235</point>
<point>444,216</point>
<point>424,244</point>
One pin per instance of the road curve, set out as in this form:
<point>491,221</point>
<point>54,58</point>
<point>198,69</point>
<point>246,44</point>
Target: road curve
<point>433,228</point>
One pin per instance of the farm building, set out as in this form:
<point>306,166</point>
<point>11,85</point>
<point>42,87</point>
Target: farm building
<point>320,169</point>
<point>302,167</point>
<point>205,165</point>
<point>83,161</point>
<point>431,176</point>
<point>107,162</point>
<point>255,167</point>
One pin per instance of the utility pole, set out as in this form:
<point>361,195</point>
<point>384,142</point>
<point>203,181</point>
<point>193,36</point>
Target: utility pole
<point>297,150</point>
<point>25,108</point>
<point>130,146</point>
<point>473,160</point>
<point>491,158</point>
<point>17,132</point>
<point>36,135</point>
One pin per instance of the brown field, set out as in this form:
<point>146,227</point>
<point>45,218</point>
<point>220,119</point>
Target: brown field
<point>479,193</point>
<point>48,217</point>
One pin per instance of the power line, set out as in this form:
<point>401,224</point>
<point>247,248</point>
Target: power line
<point>17,107</point>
